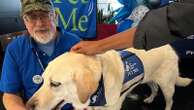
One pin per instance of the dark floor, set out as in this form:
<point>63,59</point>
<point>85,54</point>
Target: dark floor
<point>183,100</point>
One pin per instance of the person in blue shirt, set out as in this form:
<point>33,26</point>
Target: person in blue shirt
<point>28,55</point>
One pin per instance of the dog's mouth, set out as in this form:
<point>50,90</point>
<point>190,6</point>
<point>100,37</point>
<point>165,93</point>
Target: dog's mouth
<point>57,107</point>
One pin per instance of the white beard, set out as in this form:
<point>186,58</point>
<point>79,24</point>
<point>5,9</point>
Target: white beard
<point>44,37</point>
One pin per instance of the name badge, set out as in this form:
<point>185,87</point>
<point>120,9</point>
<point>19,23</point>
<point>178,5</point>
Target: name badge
<point>37,79</point>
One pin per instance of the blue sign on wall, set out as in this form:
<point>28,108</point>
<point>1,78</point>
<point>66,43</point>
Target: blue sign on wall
<point>77,16</point>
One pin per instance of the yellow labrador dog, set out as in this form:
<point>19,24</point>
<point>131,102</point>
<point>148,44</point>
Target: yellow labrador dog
<point>97,82</point>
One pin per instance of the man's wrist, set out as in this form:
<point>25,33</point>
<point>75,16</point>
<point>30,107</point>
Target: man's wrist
<point>100,46</point>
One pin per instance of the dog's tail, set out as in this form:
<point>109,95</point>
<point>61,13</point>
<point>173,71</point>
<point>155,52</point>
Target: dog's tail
<point>183,81</point>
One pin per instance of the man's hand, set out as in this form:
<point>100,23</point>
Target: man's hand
<point>13,102</point>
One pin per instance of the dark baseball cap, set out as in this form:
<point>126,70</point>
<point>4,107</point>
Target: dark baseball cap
<point>33,5</point>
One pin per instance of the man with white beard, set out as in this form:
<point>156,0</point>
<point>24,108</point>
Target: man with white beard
<point>29,54</point>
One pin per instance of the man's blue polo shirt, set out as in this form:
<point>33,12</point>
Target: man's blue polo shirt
<point>21,62</point>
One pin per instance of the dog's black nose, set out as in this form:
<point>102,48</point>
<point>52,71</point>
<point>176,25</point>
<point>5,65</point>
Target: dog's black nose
<point>31,105</point>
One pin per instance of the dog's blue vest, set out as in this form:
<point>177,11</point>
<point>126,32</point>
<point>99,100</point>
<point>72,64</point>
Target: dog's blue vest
<point>133,68</point>
<point>132,65</point>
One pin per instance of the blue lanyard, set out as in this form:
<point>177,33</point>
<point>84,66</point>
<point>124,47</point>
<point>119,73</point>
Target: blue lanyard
<point>38,58</point>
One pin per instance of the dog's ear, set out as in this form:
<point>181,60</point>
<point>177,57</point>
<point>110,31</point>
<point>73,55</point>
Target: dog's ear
<point>86,85</point>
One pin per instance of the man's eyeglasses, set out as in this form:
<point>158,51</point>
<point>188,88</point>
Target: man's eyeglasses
<point>33,17</point>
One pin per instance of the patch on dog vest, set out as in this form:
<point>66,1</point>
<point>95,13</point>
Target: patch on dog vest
<point>98,98</point>
<point>132,65</point>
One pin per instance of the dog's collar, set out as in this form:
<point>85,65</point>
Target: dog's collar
<point>98,98</point>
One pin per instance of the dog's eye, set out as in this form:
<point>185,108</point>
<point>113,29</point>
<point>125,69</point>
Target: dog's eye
<point>55,84</point>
